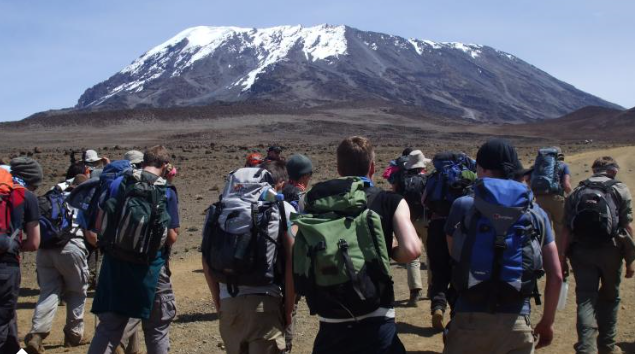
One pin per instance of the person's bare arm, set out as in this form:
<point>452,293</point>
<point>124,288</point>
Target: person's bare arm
<point>450,243</point>
<point>567,184</point>
<point>212,284</point>
<point>563,247</point>
<point>90,237</point>
<point>551,263</point>
<point>408,243</point>
<point>289,289</point>
<point>173,234</point>
<point>32,242</point>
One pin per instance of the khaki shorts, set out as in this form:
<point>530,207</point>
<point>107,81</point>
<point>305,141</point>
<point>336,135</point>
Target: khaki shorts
<point>475,332</point>
<point>252,324</point>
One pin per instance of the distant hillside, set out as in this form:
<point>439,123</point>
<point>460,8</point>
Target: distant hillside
<point>307,67</point>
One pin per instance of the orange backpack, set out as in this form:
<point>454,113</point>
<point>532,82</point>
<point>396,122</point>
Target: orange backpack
<point>10,197</point>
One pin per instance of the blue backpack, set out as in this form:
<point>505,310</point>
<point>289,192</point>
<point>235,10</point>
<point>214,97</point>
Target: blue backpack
<point>545,179</point>
<point>498,246</point>
<point>56,220</point>
<point>447,182</point>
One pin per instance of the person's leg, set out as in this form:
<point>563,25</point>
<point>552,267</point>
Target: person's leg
<point>379,337</point>
<point>109,333</point>
<point>609,298</point>
<point>9,292</point>
<point>587,280</point>
<point>156,329</point>
<point>73,266</point>
<point>439,259</point>
<point>557,216</point>
<point>50,282</point>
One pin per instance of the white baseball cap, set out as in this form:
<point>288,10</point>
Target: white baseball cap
<point>91,156</point>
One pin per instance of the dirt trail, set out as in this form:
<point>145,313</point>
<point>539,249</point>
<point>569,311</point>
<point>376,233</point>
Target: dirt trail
<point>195,329</point>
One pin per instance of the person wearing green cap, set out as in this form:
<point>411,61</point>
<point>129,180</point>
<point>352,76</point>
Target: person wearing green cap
<point>300,170</point>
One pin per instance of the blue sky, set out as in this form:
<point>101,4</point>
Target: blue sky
<point>51,51</point>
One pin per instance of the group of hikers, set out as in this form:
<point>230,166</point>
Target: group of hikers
<point>490,229</point>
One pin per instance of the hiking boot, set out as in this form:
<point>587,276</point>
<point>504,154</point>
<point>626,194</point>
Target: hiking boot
<point>614,350</point>
<point>437,320</point>
<point>33,342</point>
<point>415,296</point>
<point>71,342</point>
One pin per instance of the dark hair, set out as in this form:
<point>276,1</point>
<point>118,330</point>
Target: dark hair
<point>354,156</point>
<point>278,170</point>
<point>605,163</point>
<point>75,169</point>
<point>156,156</point>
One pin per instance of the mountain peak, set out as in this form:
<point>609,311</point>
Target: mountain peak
<point>335,63</point>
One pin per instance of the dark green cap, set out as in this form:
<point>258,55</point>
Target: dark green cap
<point>298,165</point>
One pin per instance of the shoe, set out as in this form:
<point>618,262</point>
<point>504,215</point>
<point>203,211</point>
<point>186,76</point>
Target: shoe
<point>415,296</point>
<point>437,320</point>
<point>33,342</point>
<point>69,342</point>
<point>614,350</point>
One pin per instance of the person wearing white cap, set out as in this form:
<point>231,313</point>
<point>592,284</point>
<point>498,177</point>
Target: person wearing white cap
<point>411,185</point>
<point>93,161</point>
<point>135,157</point>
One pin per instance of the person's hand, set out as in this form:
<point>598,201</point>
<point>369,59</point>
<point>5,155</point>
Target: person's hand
<point>565,268</point>
<point>630,270</point>
<point>106,160</point>
<point>544,332</point>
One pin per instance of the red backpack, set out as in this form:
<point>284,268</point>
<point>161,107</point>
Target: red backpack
<point>10,197</point>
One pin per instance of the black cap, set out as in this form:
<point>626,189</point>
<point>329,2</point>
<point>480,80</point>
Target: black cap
<point>406,151</point>
<point>499,154</point>
<point>275,148</point>
<point>299,165</point>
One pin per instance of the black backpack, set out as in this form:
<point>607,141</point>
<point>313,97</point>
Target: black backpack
<point>596,216</point>
<point>411,187</point>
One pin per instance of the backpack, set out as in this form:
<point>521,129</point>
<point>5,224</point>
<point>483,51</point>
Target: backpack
<point>497,248</point>
<point>411,187</point>
<point>595,214</point>
<point>90,196</point>
<point>395,172</point>
<point>448,182</point>
<point>135,221</point>
<point>340,258</point>
<point>545,178</point>
<point>11,196</point>
<point>56,220</point>
<point>292,195</point>
<point>242,236</point>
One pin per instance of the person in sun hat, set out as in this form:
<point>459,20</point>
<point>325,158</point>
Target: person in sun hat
<point>410,184</point>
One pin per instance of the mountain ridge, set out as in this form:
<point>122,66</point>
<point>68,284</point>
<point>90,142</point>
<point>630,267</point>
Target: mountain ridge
<point>311,66</point>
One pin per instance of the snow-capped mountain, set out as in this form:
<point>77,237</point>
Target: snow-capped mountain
<point>300,66</point>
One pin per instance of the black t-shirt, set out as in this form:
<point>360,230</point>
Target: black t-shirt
<point>22,214</point>
<point>385,204</point>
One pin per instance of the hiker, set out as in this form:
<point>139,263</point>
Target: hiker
<point>135,157</point>
<point>93,162</point>
<point>254,160</point>
<point>300,170</point>
<point>551,183</point>
<point>354,301</point>
<point>411,184</point>
<point>274,153</point>
<point>493,239</point>
<point>396,167</point>
<point>597,237</point>
<point>19,214</point>
<point>62,269</point>
<point>452,178</point>
<point>135,283</point>
<point>255,300</point>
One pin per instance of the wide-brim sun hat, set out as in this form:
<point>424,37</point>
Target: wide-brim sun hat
<point>417,159</point>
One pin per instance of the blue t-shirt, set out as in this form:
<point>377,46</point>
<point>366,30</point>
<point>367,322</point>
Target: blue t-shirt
<point>564,171</point>
<point>126,288</point>
<point>460,208</point>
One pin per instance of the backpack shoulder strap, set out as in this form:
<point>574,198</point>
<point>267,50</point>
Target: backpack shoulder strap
<point>371,194</point>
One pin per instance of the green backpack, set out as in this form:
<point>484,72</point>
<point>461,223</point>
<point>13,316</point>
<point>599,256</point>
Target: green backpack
<point>340,258</point>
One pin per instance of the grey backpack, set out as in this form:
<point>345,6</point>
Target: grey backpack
<point>241,236</point>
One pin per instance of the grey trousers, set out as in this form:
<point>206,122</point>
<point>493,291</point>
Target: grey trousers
<point>62,273</point>
<point>597,272</point>
<point>114,329</point>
